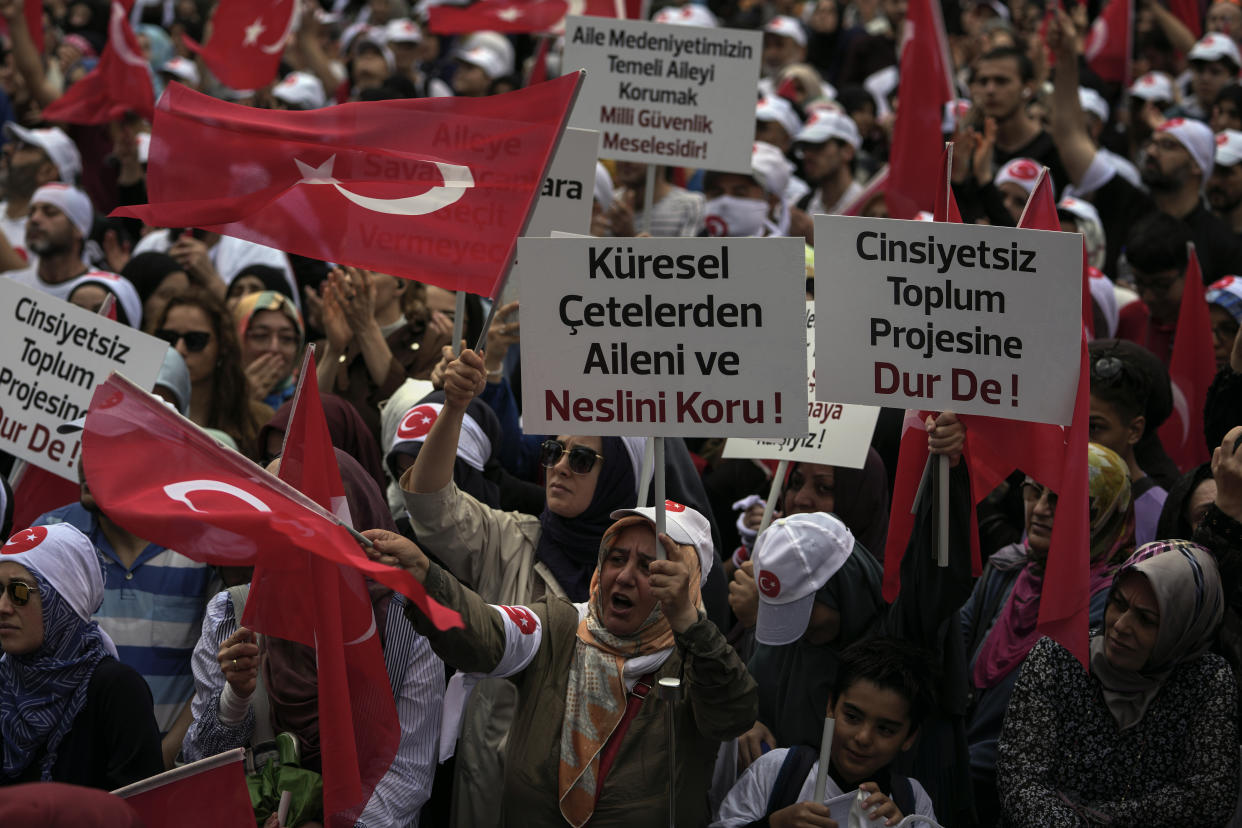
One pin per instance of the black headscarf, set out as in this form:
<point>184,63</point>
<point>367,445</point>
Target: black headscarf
<point>147,271</point>
<point>1173,523</point>
<point>570,546</point>
<point>861,501</point>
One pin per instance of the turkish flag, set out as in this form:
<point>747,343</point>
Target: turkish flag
<point>1191,370</point>
<point>517,16</point>
<point>247,41</point>
<point>1107,48</point>
<point>208,793</point>
<point>875,186</point>
<point>302,597</point>
<point>38,491</point>
<point>119,84</point>
<point>164,479</point>
<point>926,85</point>
<point>1188,12</point>
<point>433,189</point>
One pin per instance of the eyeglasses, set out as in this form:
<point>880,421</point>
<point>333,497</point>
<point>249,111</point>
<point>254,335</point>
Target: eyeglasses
<point>581,458</point>
<point>195,341</point>
<point>1032,492</point>
<point>19,592</point>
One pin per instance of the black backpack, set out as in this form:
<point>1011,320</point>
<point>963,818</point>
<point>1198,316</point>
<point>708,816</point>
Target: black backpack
<point>797,766</point>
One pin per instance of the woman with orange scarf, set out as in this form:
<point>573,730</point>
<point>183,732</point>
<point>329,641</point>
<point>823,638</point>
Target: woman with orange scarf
<point>588,741</point>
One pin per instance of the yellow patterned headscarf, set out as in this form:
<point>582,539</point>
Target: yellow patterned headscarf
<point>1112,509</point>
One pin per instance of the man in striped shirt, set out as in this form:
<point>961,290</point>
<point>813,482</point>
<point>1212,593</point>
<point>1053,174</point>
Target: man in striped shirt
<point>153,605</point>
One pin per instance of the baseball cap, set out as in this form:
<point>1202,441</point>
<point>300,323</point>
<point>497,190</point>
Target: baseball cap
<point>300,89</point>
<point>1215,46</point>
<point>182,69</point>
<point>1226,292</point>
<point>491,63</point>
<point>826,123</point>
<point>403,30</point>
<point>1228,147</point>
<point>770,168</point>
<point>1197,138</point>
<point>1153,86</point>
<point>55,143</point>
<point>691,14</point>
<point>1021,171</point>
<point>1079,209</point>
<point>1093,102</point>
<point>794,558</point>
<point>786,26</point>
<point>685,526</point>
<point>775,108</point>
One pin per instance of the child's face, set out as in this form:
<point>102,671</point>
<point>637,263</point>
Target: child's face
<point>872,727</point>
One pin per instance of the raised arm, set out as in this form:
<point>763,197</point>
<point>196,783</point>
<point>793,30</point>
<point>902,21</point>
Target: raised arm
<point>1069,132</point>
<point>464,378</point>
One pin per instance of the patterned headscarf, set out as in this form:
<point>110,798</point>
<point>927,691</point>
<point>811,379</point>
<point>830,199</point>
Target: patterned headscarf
<point>252,303</point>
<point>1186,582</point>
<point>42,692</point>
<point>1112,539</point>
<point>595,696</point>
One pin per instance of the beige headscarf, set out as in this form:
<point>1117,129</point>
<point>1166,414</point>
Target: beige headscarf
<point>1188,592</point>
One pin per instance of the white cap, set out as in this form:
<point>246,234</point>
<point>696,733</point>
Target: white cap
<point>63,152</point>
<point>491,63</point>
<point>1216,46</point>
<point>1197,138</point>
<point>775,108</point>
<point>691,14</point>
<point>1079,209</point>
<point>786,26</point>
<point>120,287</point>
<point>498,43</point>
<point>181,68</point>
<point>824,124</point>
<point>794,558</point>
<point>69,200</point>
<point>300,89</point>
<point>1153,86</point>
<point>403,30</point>
<point>770,168</point>
<point>1021,171</point>
<point>685,526</point>
<point>1228,148</point>
<point>1093,102</point>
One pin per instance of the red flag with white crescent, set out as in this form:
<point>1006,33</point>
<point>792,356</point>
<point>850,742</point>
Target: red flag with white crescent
<point>119,84</point>
<point>247,41</point>
<point>1107,48</point>
<point>517,16</point>
<point>433,189</point>
<point>1192,367</point>
<point>164,479</point>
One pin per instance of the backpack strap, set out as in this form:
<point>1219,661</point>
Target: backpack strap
<point>263,732</point>
<point>903,794</point>
<point>793,773</point>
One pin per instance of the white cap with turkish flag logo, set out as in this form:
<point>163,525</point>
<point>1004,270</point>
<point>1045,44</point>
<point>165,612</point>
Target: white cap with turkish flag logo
<point>794,558</point>
<point>1215,46</point>
<point>1153,86</point>
<point>685,526</point>
<point>403,30</point>
<point>1198,140</point>
<point>1228,147</point>
<point>1021,171</point>
<point>785,26</point>
<point>64,557</point>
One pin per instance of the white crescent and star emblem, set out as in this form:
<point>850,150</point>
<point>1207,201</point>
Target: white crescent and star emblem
<point>716,226</point>
<point>181,492</point>
<point>509,14</point>
<point>417,422</point>
<point>457,179</point>
<point>522,617</point>
<point>769,584</point>
<point>252,33</point>
<point>116,37</point>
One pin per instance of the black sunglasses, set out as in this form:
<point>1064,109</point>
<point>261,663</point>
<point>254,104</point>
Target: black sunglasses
<point>195,341</point>
<point>19,592</point>
<point>581,458</point>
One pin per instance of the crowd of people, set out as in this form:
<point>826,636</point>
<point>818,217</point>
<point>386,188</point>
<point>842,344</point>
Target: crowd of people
<point>551,705</point>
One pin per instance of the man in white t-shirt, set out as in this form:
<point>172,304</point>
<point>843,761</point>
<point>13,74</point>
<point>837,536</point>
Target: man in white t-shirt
<point>59,223</point>
<point>828,141</point>
<point>32,158</point>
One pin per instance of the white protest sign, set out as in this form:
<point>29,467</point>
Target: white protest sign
<point>55,354</point>
<point>837,434</point>
<point>664,337</point>
<point>666,94</point>
<point>978,320</point>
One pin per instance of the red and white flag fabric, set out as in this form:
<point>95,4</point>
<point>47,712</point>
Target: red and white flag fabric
<point>164,479</point>
<point>305,598</point>
<point>517,16</point>
<point>119,84</point>
<point>1191,370</point>
<point>433,189</point>
<point>1108,45</point>
<point>925,86</point>
<point>247,41</point>
<point>208,793</point>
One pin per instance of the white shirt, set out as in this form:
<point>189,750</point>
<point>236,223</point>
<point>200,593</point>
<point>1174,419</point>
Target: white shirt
<point>847,198</point>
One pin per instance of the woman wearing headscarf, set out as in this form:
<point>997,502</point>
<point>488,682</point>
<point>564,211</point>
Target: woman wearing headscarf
<point>586,744</point>
<point>1149,734</point>
<point>271,333</point>
<point>999,619</point>
<point>1187,503</point>
<point>69,711</point>
<point>90,290</point>
<point>224,705</point>
<point>157,277</point>
<point>345,427</point>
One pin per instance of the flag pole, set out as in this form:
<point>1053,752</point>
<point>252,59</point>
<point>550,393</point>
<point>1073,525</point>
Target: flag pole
<point>659,495</point>
<point>648,198</point>
<point>670,693</point>
<point>769,507</point>
<point>499,290</point>
<point>459,323</point>
<point>644,485</point>
<point>942,510</point>
<point>825,754</point>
